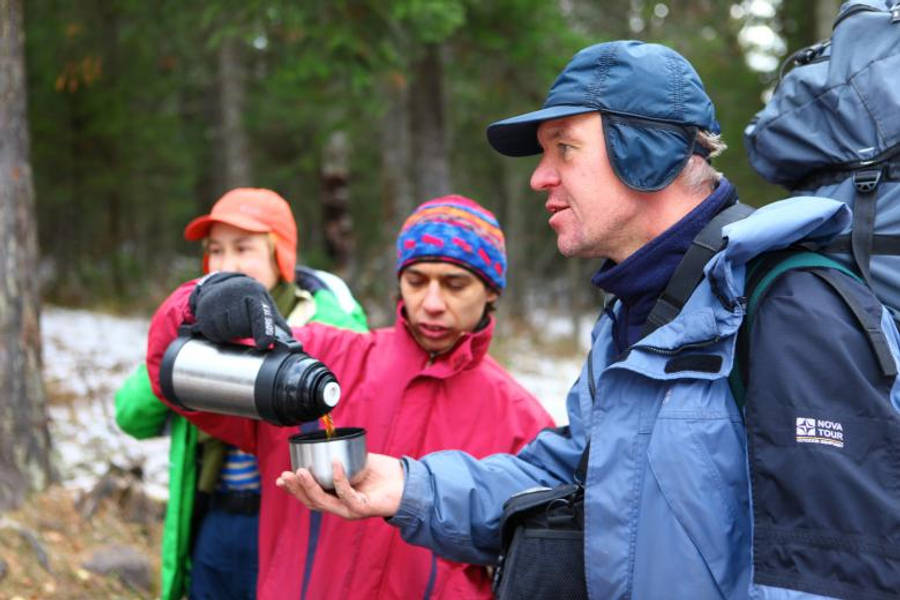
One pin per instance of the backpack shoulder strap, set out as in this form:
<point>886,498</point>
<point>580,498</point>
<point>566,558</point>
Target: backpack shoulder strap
<point>764,270</point>
<point>689,271</point>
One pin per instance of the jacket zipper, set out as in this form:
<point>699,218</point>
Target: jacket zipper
<point>674,351</point>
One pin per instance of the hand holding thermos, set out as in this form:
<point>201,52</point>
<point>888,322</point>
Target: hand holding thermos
<point>230,306</point>
<point>282,384</point>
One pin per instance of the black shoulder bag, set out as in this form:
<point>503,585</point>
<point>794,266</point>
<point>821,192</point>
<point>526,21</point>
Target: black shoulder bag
<point>542,536</point>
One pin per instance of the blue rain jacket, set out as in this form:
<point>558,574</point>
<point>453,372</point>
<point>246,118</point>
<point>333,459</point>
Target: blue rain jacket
<point>669,511</point>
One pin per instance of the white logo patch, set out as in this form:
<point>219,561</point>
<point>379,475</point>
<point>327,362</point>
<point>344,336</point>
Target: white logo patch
<point>820,431</point>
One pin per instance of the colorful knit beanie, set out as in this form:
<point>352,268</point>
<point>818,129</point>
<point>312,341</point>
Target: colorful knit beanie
<point>458,230</point>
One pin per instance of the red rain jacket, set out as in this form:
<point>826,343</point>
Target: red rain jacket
<point>464,399</point>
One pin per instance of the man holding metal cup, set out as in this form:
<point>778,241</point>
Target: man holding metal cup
<point>702,457</point>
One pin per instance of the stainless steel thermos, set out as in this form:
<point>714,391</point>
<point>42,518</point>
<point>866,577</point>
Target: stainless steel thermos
<point>283,386</point>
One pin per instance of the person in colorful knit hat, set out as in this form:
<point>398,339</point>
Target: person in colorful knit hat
<point>425,384</point>
<point>209,546</point>
<point>440,240</point>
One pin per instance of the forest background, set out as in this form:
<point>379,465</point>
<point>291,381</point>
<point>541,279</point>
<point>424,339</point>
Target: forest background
<point>120,120</point>
<point>143,113</point>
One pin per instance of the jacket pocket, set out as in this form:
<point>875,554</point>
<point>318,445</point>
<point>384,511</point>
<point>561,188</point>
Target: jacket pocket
<point>698,466</point>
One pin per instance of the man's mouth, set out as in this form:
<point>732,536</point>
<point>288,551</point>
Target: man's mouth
<point>432,331</point>
<point>555,207</point>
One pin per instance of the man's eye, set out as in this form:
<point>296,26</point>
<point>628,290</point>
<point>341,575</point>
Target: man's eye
<point>563,148</point>
<point>457,284</point>
<point>214,251</point>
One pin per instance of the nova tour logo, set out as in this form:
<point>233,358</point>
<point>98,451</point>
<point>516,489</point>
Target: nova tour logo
<point>820,431</point>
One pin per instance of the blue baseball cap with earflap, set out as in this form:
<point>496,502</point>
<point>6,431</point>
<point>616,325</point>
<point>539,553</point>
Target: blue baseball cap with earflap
<point>651,101</point>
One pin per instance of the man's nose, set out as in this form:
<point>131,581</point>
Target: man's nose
<point>544,176</point>
<point>434,298</point>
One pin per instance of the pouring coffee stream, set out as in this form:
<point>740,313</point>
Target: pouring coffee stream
<point>328,424</point>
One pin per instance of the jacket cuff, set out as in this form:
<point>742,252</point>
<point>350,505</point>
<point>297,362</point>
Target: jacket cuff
<point>416,496</point>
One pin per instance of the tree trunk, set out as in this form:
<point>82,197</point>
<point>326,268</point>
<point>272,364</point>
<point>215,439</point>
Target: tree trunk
<point>431,165</point>
<point>610,17</point>
<point>798,28</point>
<point>111,147</point>
<point>397,200</point>
<point>24,436</point>
<point>234,144</point>
<point>825,13</point>
<point>576,286</point>
<point>338,221</point>
<point>515,228</point>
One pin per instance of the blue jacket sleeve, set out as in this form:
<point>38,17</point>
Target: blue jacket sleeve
<point>823,436</point>
<point>452,503</point>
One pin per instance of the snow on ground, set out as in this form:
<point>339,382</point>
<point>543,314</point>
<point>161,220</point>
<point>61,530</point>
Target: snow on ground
<point>549,382</point>
<point>549,378</point>
<point>87,355</point>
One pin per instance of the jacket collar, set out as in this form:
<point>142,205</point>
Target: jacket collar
<point>639,279</point>
<point>468,352</point>
<point>715,310</point>
<point>773,227</point>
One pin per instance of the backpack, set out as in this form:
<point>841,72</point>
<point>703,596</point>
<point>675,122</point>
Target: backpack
<point>761,273</point>
<point>314,280</point>
<point>832,129</point>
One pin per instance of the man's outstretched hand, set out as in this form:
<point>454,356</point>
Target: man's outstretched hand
<point>228,306</point>
<point>376,491</point>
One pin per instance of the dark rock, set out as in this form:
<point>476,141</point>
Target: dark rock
<point>129,564</point>
<point>124,487</point>
<point>31,539</point>
<point>39,551</point>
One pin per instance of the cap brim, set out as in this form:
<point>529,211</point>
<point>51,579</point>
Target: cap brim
<point>199,227</point>
<point>517,136</point>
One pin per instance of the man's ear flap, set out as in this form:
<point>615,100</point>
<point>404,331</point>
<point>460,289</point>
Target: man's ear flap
<point>647,155</point>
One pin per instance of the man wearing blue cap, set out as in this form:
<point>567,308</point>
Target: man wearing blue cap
<point>697,463</point>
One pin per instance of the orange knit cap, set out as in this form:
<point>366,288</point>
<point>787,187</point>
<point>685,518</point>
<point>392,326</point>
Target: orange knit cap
<point>257,210</point>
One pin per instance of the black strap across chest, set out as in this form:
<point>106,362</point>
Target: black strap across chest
<point>689,271</point>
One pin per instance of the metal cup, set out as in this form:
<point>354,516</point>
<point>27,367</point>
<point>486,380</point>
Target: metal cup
<point>315,452</point>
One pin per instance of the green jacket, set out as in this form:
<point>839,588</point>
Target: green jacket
<point>140,414</point>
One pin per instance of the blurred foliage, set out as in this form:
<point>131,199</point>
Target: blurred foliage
<point>123,104</point>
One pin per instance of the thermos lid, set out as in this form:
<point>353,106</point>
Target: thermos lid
<point>331,394</point>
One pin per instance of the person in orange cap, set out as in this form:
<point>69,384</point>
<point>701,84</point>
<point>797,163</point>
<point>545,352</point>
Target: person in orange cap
<point>249,228</point>
<point>210,546</point>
